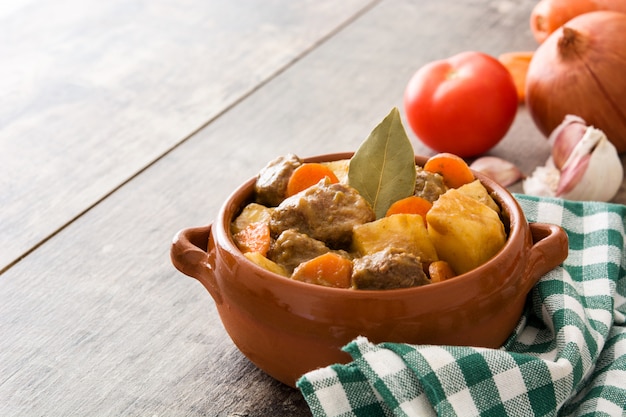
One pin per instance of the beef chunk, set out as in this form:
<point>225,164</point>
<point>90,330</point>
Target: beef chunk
<point>292,248</point>
<point>324,211</point>
<point>387,269</point>
<point>271,184</point>
<point>429,185</point>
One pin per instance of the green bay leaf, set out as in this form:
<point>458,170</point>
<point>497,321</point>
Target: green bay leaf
<point>382,170</point>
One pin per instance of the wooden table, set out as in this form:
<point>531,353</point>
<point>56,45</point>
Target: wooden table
<point>122,122</point>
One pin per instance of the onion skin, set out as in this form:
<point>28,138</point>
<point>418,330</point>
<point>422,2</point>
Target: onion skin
<point>579,70</point>
<point>549,15</point>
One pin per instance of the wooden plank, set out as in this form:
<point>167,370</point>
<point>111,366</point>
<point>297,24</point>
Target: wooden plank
<point>94,91</point>
<point>97,322</point>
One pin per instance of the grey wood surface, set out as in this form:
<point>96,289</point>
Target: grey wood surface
<point>93,91</point>
<point>127,121</point>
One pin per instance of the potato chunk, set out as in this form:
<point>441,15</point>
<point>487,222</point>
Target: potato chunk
<point>477,190</point>
<point>340,168</point>
<point>251,213</point>
<point>401,231</point>
<point>465,232</point>
<point>263,262</point>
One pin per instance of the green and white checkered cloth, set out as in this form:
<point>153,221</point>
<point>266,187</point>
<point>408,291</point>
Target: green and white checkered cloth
<point>567,356</point>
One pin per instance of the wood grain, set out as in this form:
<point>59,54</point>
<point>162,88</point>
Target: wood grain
<point>96,320</point>
<point>93,92</point>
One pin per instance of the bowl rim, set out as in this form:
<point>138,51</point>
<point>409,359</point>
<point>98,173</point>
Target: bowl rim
<point>507,202</point>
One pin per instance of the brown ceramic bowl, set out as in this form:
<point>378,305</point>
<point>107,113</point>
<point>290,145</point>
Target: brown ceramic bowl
<point>287,327</point>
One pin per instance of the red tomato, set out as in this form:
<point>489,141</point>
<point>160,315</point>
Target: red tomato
<point>462,105</point>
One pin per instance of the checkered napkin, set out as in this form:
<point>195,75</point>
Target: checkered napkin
<point>567,356</point>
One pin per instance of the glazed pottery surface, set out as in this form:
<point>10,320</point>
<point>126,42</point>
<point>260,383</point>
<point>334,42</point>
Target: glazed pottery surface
<point>287,327</point>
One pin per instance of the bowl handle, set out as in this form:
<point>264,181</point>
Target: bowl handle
<point>193,253</point>
<point>550,248</point>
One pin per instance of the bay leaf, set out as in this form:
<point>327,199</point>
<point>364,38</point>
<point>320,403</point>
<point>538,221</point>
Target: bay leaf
<point>382,170</point>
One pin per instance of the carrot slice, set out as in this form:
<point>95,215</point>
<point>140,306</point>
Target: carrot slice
<point>517,63</point>
<point>329,269</point>
<point>440,271</point>
<point>452,168</point>
<point>410,205</point>
<point>307,175</point>
<point>255,237</point>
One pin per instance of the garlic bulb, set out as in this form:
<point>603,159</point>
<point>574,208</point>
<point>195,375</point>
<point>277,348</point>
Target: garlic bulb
<point>584,167</point>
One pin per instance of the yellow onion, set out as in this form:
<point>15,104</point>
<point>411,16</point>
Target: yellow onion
<point>579,69</point>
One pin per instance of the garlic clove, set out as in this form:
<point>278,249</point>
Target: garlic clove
<point>603,176</point>
<point>500,170</point>
<point>571,176</point>
<point>565,137</point>
<point>575,166</point>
